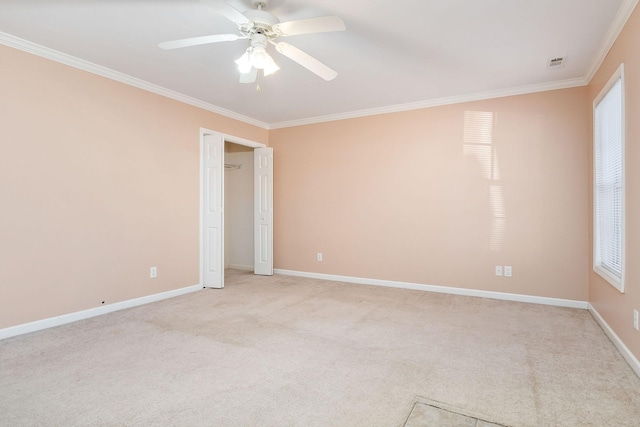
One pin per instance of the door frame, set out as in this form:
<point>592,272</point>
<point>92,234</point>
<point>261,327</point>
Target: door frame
<point>225,138</point>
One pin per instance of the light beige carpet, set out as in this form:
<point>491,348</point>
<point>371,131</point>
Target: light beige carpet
<point>442,415</point>
<point>285,351</point>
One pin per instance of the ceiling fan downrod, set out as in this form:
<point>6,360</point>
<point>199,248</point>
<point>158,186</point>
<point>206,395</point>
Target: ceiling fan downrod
<point>259,4</point>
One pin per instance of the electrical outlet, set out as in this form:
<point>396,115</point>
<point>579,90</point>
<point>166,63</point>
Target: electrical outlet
<point>507,271</point>
<point>498,270</point>
<point>319,256</point>
<point>635,319</point>
<point>153,272</point>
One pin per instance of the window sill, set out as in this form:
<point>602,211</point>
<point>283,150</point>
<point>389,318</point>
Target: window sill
<point>614,281</point>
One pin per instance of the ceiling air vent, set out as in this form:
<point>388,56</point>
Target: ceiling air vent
<point>556,62</point>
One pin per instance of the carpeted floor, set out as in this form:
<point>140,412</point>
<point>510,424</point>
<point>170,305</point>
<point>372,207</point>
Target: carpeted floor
<point>286,351</point>
<point>433,414</point>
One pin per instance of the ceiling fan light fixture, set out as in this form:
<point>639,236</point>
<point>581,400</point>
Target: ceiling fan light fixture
<point>271,67</point>
<point>260,58</point>
<point>244,62</point>
<point>261,28</point>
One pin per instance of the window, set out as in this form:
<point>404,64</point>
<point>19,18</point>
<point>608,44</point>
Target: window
<point>608,194</point>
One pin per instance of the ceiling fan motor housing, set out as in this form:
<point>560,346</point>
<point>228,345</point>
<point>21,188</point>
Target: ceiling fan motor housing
<point>261,17</point>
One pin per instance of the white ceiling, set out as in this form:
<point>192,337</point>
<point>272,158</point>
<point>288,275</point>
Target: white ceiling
<point>395,54</point>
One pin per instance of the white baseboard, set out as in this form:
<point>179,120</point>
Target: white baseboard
<point>92,312</point>
<point>241,267</point>
<point>441,289</point>
<point>615,339</point>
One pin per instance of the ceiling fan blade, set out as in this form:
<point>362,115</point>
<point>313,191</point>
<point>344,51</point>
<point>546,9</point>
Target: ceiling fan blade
<point>249,77</point>
<point>228,11</point>
<point>306,60</point>
<point>323,24</point>
<point>195,41</point>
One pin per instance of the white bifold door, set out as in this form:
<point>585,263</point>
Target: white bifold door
<point>213,211</point>
<point>263,211</point>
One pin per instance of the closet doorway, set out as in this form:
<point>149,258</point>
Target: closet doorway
<point>236,214</point>
<point>238,207</point>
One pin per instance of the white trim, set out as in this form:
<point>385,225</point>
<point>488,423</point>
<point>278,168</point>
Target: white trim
<point>241,267</point>
<point>440,289</point>
<point>478,96</point>
<point>623,15</point>
<point>633,362</point>
<point>225,138</point>
<point>618,74</point>
<point>616,282</point>
<point>625,11</point>
<point>63,58</point>
<point>229,138</point>
<point>203,132</point>
<point>243,141</point>
<point>92,312</point>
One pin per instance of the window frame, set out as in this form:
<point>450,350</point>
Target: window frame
<point>613,279</point>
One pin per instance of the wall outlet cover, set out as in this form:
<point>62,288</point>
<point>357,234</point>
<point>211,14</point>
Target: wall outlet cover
<point>507,271</point>
<point>498,270</point>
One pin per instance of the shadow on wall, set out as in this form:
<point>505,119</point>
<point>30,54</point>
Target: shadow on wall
<point>478,142</point>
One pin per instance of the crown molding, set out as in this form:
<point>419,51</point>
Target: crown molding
<point>478,96</point>
<point>625,11</point>
<point>623,15</point>
<point>63,58</point>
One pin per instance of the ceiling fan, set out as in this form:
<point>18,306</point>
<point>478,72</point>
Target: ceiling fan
<point>262,29</point>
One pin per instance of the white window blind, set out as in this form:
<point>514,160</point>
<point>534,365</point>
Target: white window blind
<point>609,182</point>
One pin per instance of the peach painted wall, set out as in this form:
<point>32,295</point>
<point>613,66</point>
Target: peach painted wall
<point>442,195</point>
<point>99,181</point>
<point>614,307</point>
